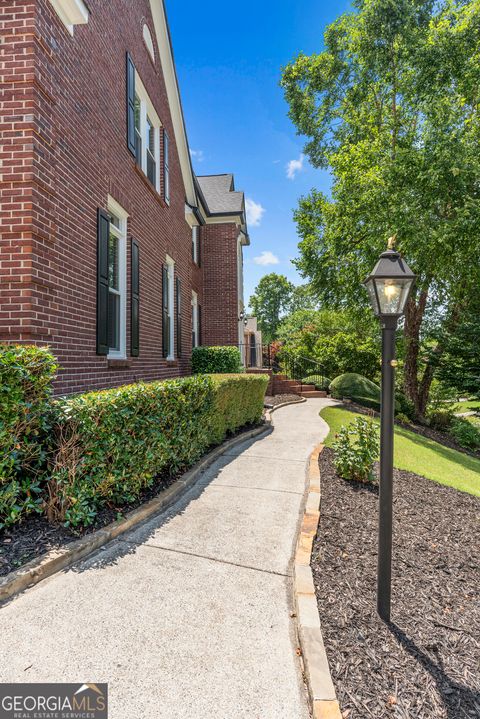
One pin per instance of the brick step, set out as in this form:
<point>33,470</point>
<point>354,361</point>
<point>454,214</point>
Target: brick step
<point>313,393</point>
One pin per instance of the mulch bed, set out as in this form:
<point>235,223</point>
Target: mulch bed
<point>280,399</point>
<point>425,665</point>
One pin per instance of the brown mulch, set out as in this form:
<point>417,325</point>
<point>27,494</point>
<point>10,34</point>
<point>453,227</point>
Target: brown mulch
<point>425,664</point>
<point>280,399</point>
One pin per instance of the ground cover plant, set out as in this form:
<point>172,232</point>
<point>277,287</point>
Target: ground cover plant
<point>418,454</point>
<point>425,664</point>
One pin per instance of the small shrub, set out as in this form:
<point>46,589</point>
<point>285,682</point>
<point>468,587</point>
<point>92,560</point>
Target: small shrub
<point>320,384</point>
<point>405,406</point>
<point>353,386</point>
<point>356,449</point>
<point>465,433</point>
<point>440,419</point>
<point>26,374</point>
<point>403,418</point>
<point>216,360</point>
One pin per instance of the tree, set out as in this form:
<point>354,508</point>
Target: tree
<point>391,107</point>
<point>271,300</point>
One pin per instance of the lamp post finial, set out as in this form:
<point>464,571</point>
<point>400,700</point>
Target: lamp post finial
<point>392,241</point>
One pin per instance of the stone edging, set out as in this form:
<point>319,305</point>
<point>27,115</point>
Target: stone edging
<point>315,662</point>
<point>57,559</point>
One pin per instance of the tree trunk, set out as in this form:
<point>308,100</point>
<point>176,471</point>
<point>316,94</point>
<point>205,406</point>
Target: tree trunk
<point>414,313</point>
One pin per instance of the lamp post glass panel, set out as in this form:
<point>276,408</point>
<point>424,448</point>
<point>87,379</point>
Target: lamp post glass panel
<point>389,287</point>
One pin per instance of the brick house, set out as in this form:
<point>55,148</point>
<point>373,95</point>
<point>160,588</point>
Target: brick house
<point>112,251</point>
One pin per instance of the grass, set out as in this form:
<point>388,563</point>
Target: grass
<point>420,455</point>
<point>469,405</point>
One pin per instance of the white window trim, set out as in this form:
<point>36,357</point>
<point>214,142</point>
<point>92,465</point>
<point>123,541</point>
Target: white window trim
<point>195,317</point>
<point>171,305</point>
<point>71,12</point>
<point>113,206</point>
<point>147,110</point>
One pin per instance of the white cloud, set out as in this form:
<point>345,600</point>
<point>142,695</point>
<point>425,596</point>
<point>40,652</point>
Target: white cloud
<point>295,166</point>
<point>266,258</point>
<point>255,212</point>
<point>197,155</point>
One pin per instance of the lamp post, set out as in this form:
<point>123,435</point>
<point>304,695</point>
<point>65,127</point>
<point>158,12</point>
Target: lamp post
<point>389,287</point>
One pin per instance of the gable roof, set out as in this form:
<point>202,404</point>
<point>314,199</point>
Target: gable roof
<point>220,195</point>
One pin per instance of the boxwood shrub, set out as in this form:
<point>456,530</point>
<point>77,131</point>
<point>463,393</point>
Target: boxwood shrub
<point>111,445</point>
<point>216,360</point>
<point>26,374</point>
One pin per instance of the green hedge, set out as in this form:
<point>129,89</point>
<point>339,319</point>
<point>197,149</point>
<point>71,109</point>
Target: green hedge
<point>238,402</point>
<point>112,444</point>
<point>216,360</point>
<point>26,374</point>
<point>355,386</point>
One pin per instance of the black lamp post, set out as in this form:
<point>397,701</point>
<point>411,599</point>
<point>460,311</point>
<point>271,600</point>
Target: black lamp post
<point>389,286</point>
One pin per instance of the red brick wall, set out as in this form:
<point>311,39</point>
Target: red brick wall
<point>60,166</point>
<point>220,284</point>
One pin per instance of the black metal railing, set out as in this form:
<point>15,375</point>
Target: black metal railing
<point>301,369</point>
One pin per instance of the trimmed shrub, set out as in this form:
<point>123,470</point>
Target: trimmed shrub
<point>111,445</point>
<point>238,402</point>
<point>356,387</point>
<point>465,433</point>
<point>356,449</point>
<point>321,385</point>
<point>26,374</point>
<point>216,360</point>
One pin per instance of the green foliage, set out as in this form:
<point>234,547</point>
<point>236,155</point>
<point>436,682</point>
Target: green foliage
<point>404,406</point>
<point>355,387</point>
<point>216,360</point>
<point>272,298</point>
<point>403,418</point>
<point>465,433</point>
<point>440,419</point>
<point>356,449</point>
<point>111,445</point>
<point>390,107</point>
<point>320,384</point>
<point>439,394</point>
<point>346,353</point>
<point>26,374</point>
<point>238,402</point>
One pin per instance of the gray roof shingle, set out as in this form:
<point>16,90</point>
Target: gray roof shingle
<point>220,194</point>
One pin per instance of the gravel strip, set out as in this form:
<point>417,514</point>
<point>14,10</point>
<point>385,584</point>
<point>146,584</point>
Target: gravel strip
<point>425,665</point>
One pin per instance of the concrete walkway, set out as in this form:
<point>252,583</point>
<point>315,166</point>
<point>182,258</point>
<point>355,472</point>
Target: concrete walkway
<point>188,616</point>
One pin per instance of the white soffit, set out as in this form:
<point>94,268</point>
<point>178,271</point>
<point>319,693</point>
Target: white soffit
<point>71,12</point>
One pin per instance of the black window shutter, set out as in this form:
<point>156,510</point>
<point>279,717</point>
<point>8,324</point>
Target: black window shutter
<point>199,315</point>
<point>135,302</point>
<point>130,104</point>
<point>103,231</point>
<point>165,317</point>
<point>179,317</point>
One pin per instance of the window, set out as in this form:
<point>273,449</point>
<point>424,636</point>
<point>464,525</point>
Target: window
<point>143,130</point>
<point>196,244</point>
<point>168,301</point>
<point>111,281</point>
<point>195,336</point>
<point>117,240</point>
<point>166,168</point>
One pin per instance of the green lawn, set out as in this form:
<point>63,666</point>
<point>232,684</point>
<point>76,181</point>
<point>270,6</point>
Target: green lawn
<point>419,455</point>
<point>469,405</point>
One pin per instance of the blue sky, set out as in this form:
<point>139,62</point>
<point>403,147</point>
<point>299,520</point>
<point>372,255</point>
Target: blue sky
<point>228,58</point>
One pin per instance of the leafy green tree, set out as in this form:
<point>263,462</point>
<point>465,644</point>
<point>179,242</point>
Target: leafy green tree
<point>391,107</point>
<point>271,300</point>
<point>345,353</point>
<point>459,365</point>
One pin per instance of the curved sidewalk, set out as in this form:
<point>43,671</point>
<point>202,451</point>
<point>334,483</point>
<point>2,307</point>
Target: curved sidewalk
<point>188,615</point>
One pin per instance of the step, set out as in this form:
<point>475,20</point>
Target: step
<point>313,393</point>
